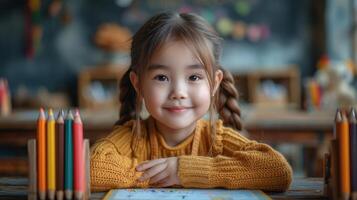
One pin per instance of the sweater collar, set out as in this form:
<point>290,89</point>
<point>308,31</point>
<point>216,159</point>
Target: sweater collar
<point>156,137</point>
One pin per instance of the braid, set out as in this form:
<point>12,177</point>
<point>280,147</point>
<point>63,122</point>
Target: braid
<point>227,103</point>
<point>127,99</point>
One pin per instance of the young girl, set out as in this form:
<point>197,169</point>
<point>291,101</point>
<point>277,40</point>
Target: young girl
<point>175,73</point>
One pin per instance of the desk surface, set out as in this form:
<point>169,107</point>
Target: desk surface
<point>301,188</point>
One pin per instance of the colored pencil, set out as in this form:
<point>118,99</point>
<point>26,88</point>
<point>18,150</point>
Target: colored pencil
<point>344,161</point>
<point>31,150</point>
<point>78,164</point>
<point>59,155</point>
<point>353,151</point>
<point>68,159</point>
<point>51,155</point>
<point>41,150</point>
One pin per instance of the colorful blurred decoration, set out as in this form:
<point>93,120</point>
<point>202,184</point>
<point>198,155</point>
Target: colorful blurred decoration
<point>115,40</point>
<point>33,27</point>
<point>323,62</point>
<point>5,99</point>
<point>239,30</point>
<point>208,15</point>
<point>243,8</point>
<point>254,33</point>
<point>265,31</point>
<point>55,8</point>
<point>225,26</point>
<point>58,8</point>
<point>314,92</point>
<point>332,85</point>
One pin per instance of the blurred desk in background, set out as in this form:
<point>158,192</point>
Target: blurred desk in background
<point>272,127</point>
<point>291,126</point>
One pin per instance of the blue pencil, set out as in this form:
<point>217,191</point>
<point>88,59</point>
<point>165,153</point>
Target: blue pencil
<point>68,161</point>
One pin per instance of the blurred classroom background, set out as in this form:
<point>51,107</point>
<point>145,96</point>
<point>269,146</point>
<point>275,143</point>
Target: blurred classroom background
<point>294,63</point>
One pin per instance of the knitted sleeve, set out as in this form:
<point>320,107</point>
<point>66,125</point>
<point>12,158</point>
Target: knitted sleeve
<point>112,167</point>
<point>240,164</point>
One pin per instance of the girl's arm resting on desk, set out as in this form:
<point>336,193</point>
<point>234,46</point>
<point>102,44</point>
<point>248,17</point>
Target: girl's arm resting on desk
<point>240,163</point>
<point>110,169</point>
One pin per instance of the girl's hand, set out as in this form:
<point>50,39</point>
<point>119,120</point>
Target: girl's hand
<point>161,172</point>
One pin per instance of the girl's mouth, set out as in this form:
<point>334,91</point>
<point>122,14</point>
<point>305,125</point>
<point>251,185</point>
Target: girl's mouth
<point>176,109</point>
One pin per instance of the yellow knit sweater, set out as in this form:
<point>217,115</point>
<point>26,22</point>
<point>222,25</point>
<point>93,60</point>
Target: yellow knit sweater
<point>236,162</point>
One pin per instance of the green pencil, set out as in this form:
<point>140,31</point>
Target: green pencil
<point>68,166</point>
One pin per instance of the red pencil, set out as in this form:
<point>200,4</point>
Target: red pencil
<point>78,156</point>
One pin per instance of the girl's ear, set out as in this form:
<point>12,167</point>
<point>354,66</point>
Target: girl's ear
<point>217,80</point>
<point>134,81</point>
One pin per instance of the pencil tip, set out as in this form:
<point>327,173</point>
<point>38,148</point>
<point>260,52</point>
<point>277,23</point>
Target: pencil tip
<point>338,116</point>
<point>50,112</point>
<point>352,115</point>
<point>69,114</point>
<point>76,112</point>
<point>42,113</point>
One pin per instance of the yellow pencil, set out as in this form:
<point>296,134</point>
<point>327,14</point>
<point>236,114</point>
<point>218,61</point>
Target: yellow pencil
<point>51,155</point>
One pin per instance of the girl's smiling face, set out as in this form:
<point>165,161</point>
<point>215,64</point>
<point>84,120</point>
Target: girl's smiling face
<point>175,87</point>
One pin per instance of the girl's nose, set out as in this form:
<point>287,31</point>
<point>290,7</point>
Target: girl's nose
<point>178,91</point>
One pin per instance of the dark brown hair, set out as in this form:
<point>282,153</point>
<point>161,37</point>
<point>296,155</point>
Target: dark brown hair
<point>195,32</point>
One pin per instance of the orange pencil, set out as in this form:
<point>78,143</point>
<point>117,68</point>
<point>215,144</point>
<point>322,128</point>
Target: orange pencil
<point>78,163</point>
<point>344,162</point>
<point>41,150</point>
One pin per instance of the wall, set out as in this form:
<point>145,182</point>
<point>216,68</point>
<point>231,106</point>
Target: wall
<point>65,49</point>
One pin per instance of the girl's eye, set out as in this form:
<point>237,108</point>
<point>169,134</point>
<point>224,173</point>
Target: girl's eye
<point>195,78</point>
<point>161,78</point>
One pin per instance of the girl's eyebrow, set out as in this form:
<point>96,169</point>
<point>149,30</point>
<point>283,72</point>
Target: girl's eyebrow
<point>164,67</point>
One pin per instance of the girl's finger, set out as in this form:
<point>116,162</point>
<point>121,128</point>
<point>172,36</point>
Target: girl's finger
<point>153,171</point>
<point>159,177</point>
<point>149,164</point>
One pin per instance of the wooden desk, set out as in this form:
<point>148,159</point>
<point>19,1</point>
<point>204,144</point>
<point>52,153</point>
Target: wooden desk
<point>307,188</point>
<point>272,127</point>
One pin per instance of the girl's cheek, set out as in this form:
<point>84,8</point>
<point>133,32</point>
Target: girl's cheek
<point>202,94</point>
<point>157,94</point>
